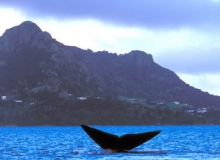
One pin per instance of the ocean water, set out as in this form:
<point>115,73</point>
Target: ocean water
<point>174,142</point>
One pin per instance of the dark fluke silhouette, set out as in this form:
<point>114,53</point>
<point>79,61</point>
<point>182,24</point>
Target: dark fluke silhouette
<point>116,143</point>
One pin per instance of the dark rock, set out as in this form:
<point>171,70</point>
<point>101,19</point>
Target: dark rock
<point>27,33</point>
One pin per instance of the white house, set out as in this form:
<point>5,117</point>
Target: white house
<point>18,101</point>
<point>3,98</point>
<point>176,102</point>
<point>201,110</point>
<point>189,111</point>
<point>81,98</point>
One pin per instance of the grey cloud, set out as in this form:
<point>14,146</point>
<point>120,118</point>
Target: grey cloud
<point>189,62</point>
<point>156,14</point>
<point>144,13</point>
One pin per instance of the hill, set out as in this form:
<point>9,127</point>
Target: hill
<point>35,68</point>
<point>32,62</point>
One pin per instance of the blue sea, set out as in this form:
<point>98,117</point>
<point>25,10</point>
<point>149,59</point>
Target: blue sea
<point>174,142</point>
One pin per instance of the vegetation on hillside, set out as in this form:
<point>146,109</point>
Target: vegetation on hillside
<point>98,112</point>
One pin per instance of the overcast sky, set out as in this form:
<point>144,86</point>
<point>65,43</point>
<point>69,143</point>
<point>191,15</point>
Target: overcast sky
<point>182,35</point>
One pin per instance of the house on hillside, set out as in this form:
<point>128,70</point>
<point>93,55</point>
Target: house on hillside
<point>18,101</point>
<point>131,100</point>
<point>189,111</point>
<point>176,102</point>
<point>201,110</point>
<point>81,98</point>
<point>3,98</point>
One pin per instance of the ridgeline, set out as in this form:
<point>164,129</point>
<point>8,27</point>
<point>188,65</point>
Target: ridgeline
<point>42,81</point>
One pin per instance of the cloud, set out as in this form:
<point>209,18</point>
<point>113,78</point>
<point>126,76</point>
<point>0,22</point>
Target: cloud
<point>151,14</point>
<point>189,51</point>
<point>9,18</point>
<point>182,36</point>
<point>183,50</point>
<point>207,82</point>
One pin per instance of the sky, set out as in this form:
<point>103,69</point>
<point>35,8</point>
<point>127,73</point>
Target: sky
<point>183,36</point>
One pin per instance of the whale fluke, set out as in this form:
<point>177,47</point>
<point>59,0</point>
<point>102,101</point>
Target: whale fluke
<point>119,144</point>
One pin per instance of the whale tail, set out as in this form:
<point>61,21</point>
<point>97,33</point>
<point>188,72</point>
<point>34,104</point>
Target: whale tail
<point>119,144</point>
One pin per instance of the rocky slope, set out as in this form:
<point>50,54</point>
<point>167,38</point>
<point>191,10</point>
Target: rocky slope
<point>35,67</point>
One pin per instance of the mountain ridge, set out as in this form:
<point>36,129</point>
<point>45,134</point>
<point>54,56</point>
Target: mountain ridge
<point>36,66</point>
